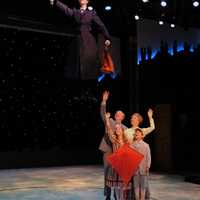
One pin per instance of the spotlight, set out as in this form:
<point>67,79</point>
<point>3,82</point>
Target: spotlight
<point>161,22</point>
<point>195,3</point>
<point>108,8</point>
<point>172,25</point>
<point>145,1</point>
<point>163,3</point>
<point>90,8</point>
<point>137,17</point>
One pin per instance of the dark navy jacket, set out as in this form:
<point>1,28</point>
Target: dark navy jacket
<point>86,21</point>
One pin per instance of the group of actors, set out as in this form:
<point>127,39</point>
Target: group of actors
<point>116,135</point>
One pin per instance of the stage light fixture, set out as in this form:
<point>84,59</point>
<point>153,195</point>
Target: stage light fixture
<point>161,22</point>
<point>108,8</point>
<point>90,8</point>
<point>145,1</point>
<point>172,25</point>
<point>137,17</point>
<point>195,3</point>
<point>163,3</point>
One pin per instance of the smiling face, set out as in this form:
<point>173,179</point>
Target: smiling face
<point>136,120</point>
<point>119,116</point>
<point>139,134</point>
<point>118,130</point>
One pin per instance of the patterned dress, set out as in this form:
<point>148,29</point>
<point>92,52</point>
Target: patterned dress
<point>113,179</point>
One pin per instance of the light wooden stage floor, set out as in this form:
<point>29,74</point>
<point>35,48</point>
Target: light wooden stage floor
<point>82,183</point>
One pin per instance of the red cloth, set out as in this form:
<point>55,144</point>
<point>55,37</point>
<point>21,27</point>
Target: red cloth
<point>125,161</point>
<point>107,63</point>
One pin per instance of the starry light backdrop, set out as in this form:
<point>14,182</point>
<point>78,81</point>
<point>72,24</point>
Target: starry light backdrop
<point>40,107</point>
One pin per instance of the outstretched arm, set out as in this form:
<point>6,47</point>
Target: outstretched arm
<point>149,129</point>
<point>67,11</point>
<point>109,130</point>
<point>103,105</point>
<point>100,25</point>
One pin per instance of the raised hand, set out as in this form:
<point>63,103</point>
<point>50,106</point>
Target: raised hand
<point>107,43</point>
<point>107,115</point>
<point>150,113</point>
<point>105,96</point>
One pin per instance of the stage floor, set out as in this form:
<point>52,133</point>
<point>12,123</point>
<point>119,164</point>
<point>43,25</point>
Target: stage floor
<point>82,183</point>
